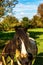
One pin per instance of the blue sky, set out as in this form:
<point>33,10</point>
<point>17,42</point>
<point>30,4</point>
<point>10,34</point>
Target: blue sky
<point>26,8</point>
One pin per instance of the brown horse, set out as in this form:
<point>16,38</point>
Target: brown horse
<point>15,45</point>
<point>30,45</point>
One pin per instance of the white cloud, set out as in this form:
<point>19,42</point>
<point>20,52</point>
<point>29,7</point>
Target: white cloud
<point>28,9</point>
<point>22,13</point>
<point>25,10</point>
<point>22,7</point>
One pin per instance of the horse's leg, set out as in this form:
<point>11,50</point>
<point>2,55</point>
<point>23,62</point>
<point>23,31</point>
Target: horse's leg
<point>3,59</point>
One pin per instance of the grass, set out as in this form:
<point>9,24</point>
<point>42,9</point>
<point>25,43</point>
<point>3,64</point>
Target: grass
<point>37,34</point>
<point>36,29</point>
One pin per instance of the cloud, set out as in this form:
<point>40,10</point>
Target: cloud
<point>22,13</point>
<point>22,7</point>
<point>27,10</point>
<point>40,1</point>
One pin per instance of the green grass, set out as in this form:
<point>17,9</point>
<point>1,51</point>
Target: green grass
<point>36,29</point>
<point>37,34</point>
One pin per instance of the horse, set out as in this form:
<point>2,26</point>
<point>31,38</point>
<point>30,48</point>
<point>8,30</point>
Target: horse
<point>30,45</point>
<point>19,43</point>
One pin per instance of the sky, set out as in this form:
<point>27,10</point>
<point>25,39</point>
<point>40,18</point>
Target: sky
<point>26,8</point>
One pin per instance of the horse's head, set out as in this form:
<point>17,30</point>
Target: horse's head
<point>20,27</point>
<point>24,44</point>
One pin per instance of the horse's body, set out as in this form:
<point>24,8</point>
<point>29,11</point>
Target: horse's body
<point>19,39</point>
<point>34,46</point>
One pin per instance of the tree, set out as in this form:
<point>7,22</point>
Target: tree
<point>25,19</point>
<point>25,22</point>
<point>36,22</point>
<point>1,11</point>
<point>9,23</point>
<point>7,6</point>
<point>40,10</point>
<point>1,27</point>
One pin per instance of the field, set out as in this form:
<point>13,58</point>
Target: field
<point>37,34</point>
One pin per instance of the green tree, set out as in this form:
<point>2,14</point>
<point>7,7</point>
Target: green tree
<point>1,27</point>
<point>25,22</point>
<point>36,20</point>
<point>40,10</point>
<point>7,6</point>
<point>9,22</point>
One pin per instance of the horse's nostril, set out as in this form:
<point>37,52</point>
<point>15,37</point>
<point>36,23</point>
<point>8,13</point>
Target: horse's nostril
<point>23,55</point>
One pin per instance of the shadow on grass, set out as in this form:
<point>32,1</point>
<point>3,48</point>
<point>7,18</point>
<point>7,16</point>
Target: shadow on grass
<point>35,34</point>
<point>6,36</point>
<point>39,59</point>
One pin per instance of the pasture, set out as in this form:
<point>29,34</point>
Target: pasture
<point>37,34</point>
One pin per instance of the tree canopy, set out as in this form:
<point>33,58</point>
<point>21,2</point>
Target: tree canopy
<point>8,23</point>
<point>7,6</point>
<point>40,10</point>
